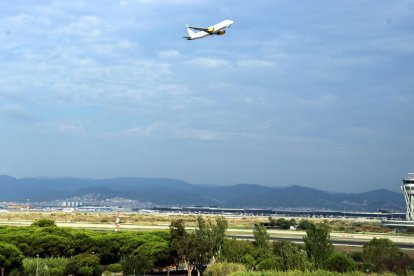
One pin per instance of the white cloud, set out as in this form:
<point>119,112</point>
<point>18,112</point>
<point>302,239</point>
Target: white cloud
<point>166,2</point>
<point>201,134</point>
<point>316,102</point>
<point>69,128</point>
<point>254,63</point>
<point>168,131</point>
<point>87,26</point>
<point>209,62</point>
<point>24,19</point>
<point>169,54</point>
<point>16,111</point>
<point>127,44</point>
<point>123,2</point>
<point>401,44</point>
<point>141,131</point>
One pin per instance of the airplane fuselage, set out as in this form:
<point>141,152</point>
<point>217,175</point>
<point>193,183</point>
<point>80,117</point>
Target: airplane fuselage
<point>217,29</point>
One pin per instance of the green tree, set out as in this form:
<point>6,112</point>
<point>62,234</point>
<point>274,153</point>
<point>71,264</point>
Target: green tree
<point>281,222</point>
<point>261,237</point>
<point>340,262</point>
<point>384,255</point>
<point>236,251</point>
<point>318,244</point>
<point>108,247</point>
<point>44,222</point>
<point>182,244</point>
<point>52,246</point>
<point>209,238</point>
<point>10,257</point>
<point>218,234</point>
<point>84,264</point>
<point>262,248</point>
<point>284,223</point>
<point>155,253</point>
<point>272,222</point>
<point>292,256</point>
<point>138,263</point>
<point>83,243</point>
<point>305,224</point>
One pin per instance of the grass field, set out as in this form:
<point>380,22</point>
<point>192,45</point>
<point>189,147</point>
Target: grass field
<point>164,219</point>
<point>152,219</point>
<point>155,219</point>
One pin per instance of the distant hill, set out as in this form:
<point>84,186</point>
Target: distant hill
<point>177,192</point>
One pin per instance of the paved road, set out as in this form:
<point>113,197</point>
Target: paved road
<point>355,243</point>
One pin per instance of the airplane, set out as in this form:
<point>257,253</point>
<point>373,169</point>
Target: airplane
<point>217,29</point>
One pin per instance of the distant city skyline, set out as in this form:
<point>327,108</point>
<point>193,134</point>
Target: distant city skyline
<point>311,93</point>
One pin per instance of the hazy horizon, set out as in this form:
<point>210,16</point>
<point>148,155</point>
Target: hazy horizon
<point>189,182</point>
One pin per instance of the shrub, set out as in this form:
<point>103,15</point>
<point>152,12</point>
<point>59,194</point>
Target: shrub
<point>384,255</point>
<point>44,222</point>
<point>115,267</point>
<point>223,269</point>
<point>292,256</point>
<point>52,266</point>
<point>84,264</point>
<point>340,262</point>
<point>269,264</point>
<point>297,273</point>
<point>304,224</point>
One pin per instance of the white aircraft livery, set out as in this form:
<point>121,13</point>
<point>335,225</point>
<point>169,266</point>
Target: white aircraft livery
<point>217,29</point>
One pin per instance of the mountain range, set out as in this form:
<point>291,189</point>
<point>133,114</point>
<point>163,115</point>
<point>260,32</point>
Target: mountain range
<point>170,192</point>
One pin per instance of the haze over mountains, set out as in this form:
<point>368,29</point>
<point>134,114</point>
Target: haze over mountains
<point>180,193</point>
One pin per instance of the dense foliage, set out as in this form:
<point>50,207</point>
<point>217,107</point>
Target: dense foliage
<point>10,256</point>
<point>220,269</point>
<point>198,249</point>
<point>45,266</point>
<point>318,244</point>
<point>50,250</point>
<point>340,262</point>
<point>384,255</point>
<point>300,273</point>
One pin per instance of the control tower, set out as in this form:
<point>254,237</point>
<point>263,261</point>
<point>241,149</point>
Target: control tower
<point>408,190</point>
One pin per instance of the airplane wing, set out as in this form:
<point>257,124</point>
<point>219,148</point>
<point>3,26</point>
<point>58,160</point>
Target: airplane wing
<point>199,29</point>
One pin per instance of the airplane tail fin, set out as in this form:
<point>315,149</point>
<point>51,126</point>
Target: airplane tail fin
<point>189,31</point>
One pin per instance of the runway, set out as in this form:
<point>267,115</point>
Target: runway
<point>351,243</point>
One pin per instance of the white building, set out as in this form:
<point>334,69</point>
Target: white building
<point>408,190</point>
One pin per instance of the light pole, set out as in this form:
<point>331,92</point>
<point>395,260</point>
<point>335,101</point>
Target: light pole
<point>37,264</point>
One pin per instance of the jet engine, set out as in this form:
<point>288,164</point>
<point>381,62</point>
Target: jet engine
<point>221,32</point>
<point>210,30</point>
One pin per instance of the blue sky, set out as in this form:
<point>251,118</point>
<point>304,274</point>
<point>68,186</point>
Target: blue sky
<point>313,93</point>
